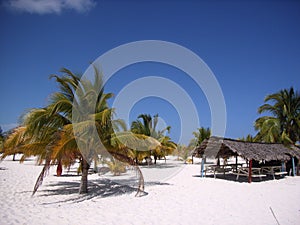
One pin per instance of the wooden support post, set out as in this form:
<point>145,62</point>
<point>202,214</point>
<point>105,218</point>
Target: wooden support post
<point>236,161</point>
<point>293,169</point>
<point>282,166</point>
<point>250,171</point>
<point>202,166</point>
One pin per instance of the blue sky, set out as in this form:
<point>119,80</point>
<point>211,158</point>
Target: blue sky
<point>252,48</point>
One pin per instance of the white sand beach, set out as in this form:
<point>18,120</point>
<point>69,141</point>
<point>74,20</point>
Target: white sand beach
<point>184,198</point>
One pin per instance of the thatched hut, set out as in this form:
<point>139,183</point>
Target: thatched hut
<point>217,147</point>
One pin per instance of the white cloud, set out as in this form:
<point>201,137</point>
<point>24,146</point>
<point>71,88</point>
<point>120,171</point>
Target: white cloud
<point>50,6</point>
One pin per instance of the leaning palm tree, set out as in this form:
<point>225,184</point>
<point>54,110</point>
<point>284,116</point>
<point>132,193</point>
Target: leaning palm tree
<point>14,144</point>
<point>83,127</point>
<point>87,124</point>
<point>76,125</point>
<point>283,125</point>
<point>48,132</point>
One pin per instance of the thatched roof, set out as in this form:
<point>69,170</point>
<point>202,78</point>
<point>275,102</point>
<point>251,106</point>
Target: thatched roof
<point>215,147</point>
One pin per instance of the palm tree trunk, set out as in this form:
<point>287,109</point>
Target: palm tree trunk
<point>59,169</point>
<point>84,177</point>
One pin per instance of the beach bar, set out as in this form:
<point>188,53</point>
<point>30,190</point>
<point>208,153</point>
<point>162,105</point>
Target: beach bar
<point>262,158</point>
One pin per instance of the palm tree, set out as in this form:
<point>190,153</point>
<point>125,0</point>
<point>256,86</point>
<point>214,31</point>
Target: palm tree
<point>48,132</point>
<point>270,131</point>
<point>65,130</point>
<point>284,123</point>
<point>248,138</point>
<point>148,126</point>
<point>15,143</point>
<point>200,135</point>
<point>167,147</point>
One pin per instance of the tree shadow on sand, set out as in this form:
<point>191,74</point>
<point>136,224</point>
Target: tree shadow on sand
<point>68,190</point>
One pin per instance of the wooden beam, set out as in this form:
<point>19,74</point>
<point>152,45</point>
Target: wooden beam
<point>250,171</point>
<point>202,166</point>
<point>294,168</point>
<point>236,161</point>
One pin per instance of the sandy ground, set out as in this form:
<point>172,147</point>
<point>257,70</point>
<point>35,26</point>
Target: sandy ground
<point>175,194</point>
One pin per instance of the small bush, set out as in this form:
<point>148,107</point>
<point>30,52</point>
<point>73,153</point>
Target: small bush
<point>116,167</point>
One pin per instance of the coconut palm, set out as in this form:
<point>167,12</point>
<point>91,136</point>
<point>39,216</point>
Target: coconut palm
<point>148,126</point>
<point>269,131</point>
<point>284,123</point>
<point>167,147</point>
<point>48,132</point>
<point>15,143</point>
<point>77,124</point>
<point>248,138</point>
<point>200,135</point>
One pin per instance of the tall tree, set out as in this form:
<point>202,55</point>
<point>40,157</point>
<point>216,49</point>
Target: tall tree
<point>200,135</point>
<point>283,125</point>
<point>147,125</point>
<point>248,138</point>
<point>77,124</point>
<point>48,132</point>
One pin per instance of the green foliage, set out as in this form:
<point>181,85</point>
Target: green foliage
<point>200,135</point>
<point>116,167</point>
<point>49,132</point>
<point>284,123</point>
<point>148,126</point>
<point>248,138</point>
